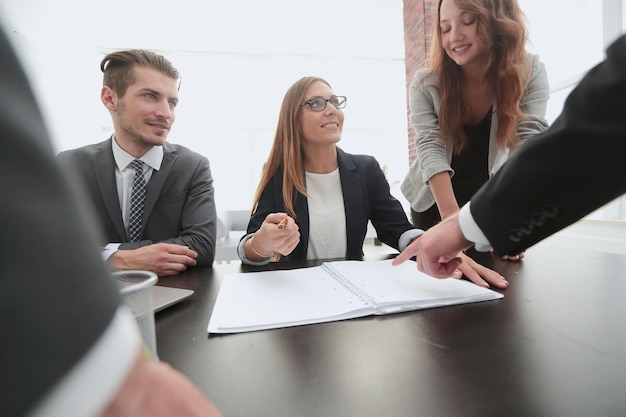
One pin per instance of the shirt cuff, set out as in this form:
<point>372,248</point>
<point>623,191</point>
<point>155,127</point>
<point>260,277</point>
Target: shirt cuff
<point>242,253</point>
<point>109,250</point>
<point>407,237</point>
<point>90,385</point>
<point>471,231</point>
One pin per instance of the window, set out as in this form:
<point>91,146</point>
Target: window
<point>570,37</point>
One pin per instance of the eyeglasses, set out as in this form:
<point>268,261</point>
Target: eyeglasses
<point>319,103</point>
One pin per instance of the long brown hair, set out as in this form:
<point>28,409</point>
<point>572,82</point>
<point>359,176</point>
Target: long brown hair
<point>287,147</point>
<point>501,25</point>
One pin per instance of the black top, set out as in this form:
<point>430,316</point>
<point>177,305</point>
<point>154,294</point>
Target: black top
<point>470,166</point>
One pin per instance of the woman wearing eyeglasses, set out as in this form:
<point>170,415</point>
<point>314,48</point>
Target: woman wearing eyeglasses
<point>479,96</point>
<point>314,200</point>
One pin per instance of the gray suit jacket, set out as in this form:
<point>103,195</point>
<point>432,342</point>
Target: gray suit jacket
<point>179,207</point>
<point>52,314</point>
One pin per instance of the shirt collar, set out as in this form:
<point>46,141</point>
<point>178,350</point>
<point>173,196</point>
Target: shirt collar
<point>154,157</point>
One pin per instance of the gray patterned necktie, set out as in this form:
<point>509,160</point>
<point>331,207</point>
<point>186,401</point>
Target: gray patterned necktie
<point>137,198</point>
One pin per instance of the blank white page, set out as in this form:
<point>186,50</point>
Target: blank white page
<point>271,299</point>
<point>404,285</point>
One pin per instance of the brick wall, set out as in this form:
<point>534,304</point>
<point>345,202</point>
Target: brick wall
<point>418,21</point>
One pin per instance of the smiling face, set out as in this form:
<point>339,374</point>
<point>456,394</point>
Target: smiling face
<point>459,35</point>
<point>324,127</point>
<point>144,116</point>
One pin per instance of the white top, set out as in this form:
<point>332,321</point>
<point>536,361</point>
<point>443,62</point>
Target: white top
<point>327,216</point>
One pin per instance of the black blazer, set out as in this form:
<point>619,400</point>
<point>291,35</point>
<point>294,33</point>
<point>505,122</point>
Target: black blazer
<point>57,296</point>
<point>563,174</point>
<point>366,197</point>
<point>180,203</point>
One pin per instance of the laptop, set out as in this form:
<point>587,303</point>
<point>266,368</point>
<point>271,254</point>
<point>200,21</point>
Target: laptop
<point>163,297</point>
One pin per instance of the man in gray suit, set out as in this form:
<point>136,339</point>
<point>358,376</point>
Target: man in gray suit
<point>177,226</point>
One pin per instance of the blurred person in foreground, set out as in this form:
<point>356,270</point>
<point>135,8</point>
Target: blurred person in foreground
<point>69,346</point>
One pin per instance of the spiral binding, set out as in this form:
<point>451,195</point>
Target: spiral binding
<point>363,296</point>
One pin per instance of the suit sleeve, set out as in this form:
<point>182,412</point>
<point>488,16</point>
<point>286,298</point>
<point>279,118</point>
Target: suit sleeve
<point>534,102</point>
<point>54,305</point>
<point>199,218</point>
<point>386,212</point>
<point>188,219</point>
<point>565,173</point>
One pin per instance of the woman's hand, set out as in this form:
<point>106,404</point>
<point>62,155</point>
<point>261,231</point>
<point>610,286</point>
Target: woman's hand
<point>479,274</point>
<point>278,233</point>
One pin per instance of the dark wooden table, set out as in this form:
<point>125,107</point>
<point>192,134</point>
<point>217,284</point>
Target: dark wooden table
<point>555,345</point>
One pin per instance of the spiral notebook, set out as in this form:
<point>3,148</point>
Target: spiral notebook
<point>333,291</point>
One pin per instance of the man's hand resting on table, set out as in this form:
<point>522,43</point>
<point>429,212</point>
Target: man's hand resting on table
<point>160,258</point>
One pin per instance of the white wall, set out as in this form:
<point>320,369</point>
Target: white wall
<point>236,59</point>
<point>567,35</point>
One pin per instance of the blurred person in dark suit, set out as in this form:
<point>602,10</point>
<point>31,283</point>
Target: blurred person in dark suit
<point>68,347</point>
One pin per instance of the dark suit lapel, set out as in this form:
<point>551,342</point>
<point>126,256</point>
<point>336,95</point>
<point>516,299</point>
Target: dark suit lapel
<point>104,165</point>
<point>301,207</point>
<point>352,197</point>
<point>157,181</point>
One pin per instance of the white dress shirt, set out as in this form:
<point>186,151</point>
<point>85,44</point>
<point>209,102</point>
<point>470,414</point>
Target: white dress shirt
<point>124,175</point>
<point>471,231</point>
